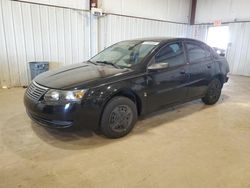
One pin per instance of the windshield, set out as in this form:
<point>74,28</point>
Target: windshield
<point>125,54</point>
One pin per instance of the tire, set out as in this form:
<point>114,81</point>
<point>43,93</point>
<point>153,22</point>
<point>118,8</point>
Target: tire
<point>119,117</point>
<point>213,92</point>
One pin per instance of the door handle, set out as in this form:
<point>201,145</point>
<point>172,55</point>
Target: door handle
<point>183,72</point>
<point>209,66</point>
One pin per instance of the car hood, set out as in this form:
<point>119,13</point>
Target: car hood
<point>76,75</point>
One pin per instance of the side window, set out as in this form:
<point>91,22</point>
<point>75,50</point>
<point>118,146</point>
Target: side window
<point>172,54</point>
<point>196,53</point>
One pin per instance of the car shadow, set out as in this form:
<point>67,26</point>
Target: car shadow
<point>167,115</point>
<point>71,139</point>
<point>83,138</point>
<point>30,141</point>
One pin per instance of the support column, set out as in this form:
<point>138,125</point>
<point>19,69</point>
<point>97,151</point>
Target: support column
<point>93,35</point>
<point>193,12</point>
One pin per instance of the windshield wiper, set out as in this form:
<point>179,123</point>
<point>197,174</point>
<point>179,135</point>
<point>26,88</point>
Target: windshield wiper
<point>91,62</point>
<point>109,63</point>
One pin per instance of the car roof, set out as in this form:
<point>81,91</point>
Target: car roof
<point>163,39</point>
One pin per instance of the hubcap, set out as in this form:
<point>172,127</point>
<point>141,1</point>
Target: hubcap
<point>120,118</point>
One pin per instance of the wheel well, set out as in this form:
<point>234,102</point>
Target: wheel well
<point>129,94</point>
<point>132,96</point>
<point>220,77</point>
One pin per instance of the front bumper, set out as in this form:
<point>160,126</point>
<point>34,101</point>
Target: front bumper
<point>50,123</point>
<point>226,79</point>
<point>63,115</point>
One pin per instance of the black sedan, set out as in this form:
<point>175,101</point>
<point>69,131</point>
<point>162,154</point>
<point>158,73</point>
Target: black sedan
<point>124,81</point>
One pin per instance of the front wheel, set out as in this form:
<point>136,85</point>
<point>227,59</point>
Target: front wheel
<point>119,117</point>
<point>213,92</point>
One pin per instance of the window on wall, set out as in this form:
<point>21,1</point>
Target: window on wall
<point>172,54</point>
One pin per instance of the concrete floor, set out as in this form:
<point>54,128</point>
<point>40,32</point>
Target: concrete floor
<point>193,145</point>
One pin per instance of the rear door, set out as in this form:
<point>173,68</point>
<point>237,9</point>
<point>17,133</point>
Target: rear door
<point>200,68</point>
<point>167,86</point>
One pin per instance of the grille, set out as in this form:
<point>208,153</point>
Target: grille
<point>35,91</point>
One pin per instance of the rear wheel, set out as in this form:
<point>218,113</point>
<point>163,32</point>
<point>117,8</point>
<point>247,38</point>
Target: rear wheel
<point>119,117</point>
<point>213,92</point>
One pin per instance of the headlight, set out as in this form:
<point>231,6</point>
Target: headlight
<point>67,96</point>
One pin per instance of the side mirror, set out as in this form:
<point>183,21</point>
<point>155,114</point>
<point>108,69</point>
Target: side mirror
<point>158,66</point>
<point>220,52</point>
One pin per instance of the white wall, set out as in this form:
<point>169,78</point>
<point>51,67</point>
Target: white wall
<point>171,10</point>
<point>238,54</point>
<point>198,32</point>
<point>226,10</point>
<point>113,28</point>
<point>239,50</point>
<point>31,32</point>
<point>78,4</point>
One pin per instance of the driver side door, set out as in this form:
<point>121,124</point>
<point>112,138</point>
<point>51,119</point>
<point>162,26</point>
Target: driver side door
<point>167,85</point>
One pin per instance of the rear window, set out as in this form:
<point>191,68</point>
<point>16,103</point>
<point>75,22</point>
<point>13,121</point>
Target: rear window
<point>196,53</point>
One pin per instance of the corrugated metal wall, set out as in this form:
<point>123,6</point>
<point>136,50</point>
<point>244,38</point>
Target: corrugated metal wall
<point>78,4</point>
<point>31,32</point>
<point>198,32</point>
<point>171,10</point>
<point>113,28</point>
<point>207,11</point>
<point>238,54</point>
<point>239,50</point>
